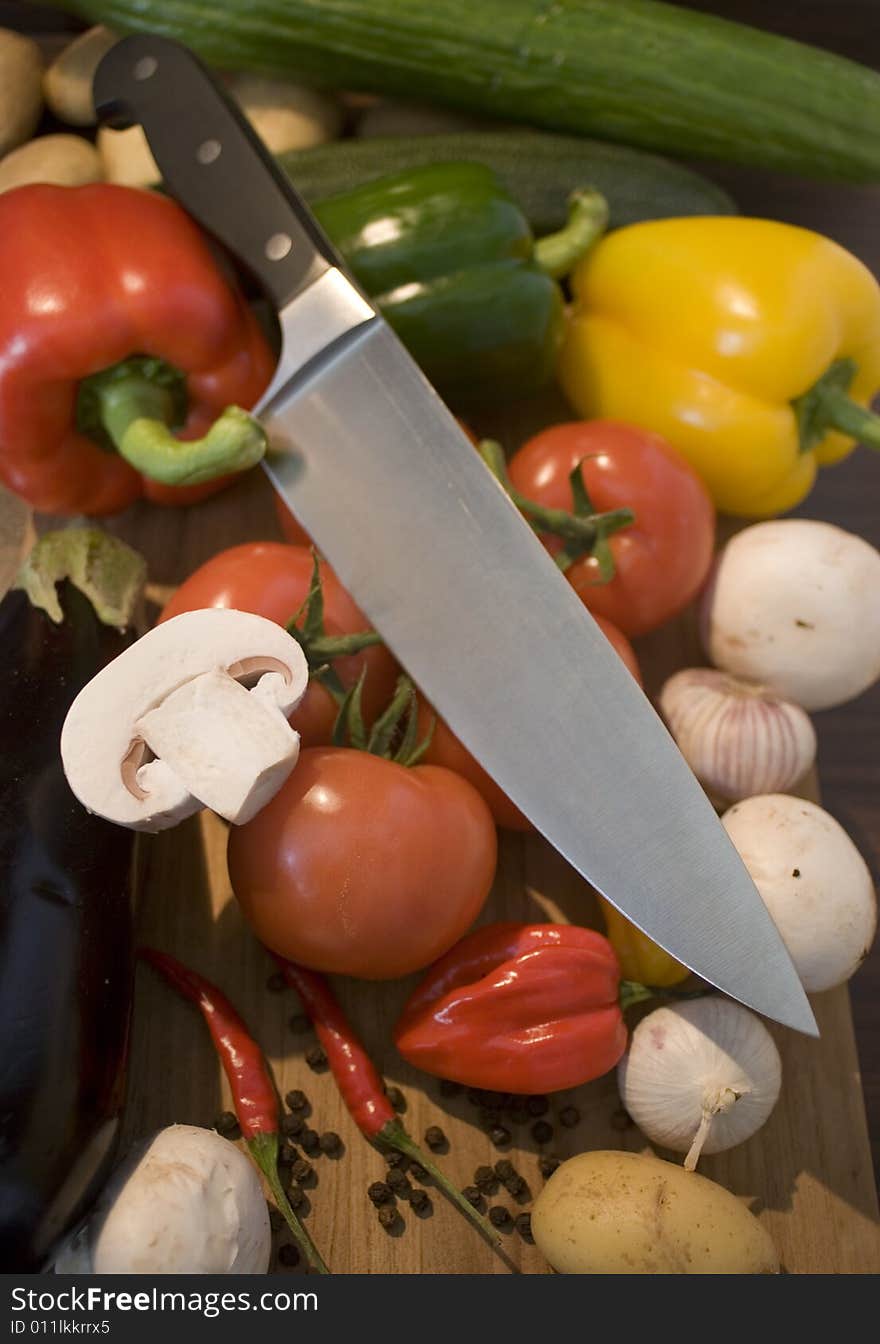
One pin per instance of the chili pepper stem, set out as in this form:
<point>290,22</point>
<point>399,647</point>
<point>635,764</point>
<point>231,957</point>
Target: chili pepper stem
<point>264,1150</point>
<point>559,253</point>
<point>393,1135</point>
<point>135,402</point>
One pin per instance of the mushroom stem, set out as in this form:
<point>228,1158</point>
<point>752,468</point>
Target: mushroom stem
<point>132,408</point>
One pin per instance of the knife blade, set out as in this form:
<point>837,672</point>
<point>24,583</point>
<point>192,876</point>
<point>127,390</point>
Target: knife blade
<point>381,475</point>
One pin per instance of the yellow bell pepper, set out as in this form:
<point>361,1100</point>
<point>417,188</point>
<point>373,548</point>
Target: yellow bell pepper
<point>751,346</point>
<point>640,959</point>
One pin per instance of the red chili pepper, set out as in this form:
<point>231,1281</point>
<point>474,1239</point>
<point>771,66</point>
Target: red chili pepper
<point>91,277</point>
<point>253,1093</point>
<point>361,1087</point>
<point>528,1008</point>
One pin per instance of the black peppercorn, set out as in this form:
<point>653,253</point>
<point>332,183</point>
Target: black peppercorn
<point>302,1170</point>
<point>516,1186</point>
<point>288,1255</point>
<point>542,1132</point>
<point>484,1174</point>
<point>504,1168</point>
<point>498,1216</point>
<point>379,1193</point>
<point>537,1105</point>
<point>418,1173</point>
<point>524,1227</point>
<point>296,1100</point>
<point>397,1180</point>
<point>569,1116</point>
<point>276,1222</point>
<point>395,1159</point>
<point>330,1143</point>
<point>448,1088</point>
<point>226,1124</point>
<point>420,1201</point>
<point>287,1153</point>
<point>316,1058</point>
<point>296,1196</point>
<point>474,1195</point>
<point>547,1165</point>
<point>387,1215</point>
<point>435,1138</point>
<point>310,1142</point>
<point>397,1099</point>
<point>499,1135</point>
<point>292,1124</point>
<point>299,1023</point>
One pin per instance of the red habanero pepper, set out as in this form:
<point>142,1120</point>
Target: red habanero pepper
<point>527,1008</point>
<point>256,1103</point>
<point>116,327</point>
<point>362,1089</point>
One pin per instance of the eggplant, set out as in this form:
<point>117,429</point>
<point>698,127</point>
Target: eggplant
<point>66,898</point>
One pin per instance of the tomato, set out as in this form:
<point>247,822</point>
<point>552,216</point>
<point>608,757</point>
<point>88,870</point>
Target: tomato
<point>446,749</point>
<point>273,580</point>
<point>362,867</point>
<point>662,559</point>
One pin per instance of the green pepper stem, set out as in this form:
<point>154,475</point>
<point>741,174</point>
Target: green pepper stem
<point>393,1135</point>
<point>263,1149</point>
<point>828,405</point>
<point>559,253</point>
<point>135,402</point>
<point>631,992</point>
<point>846,415</point>
<point>106,571</point>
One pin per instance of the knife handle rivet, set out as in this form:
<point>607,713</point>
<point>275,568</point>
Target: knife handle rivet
<point>278,246</point>
<point>146,67</point>
<point>208,151</point>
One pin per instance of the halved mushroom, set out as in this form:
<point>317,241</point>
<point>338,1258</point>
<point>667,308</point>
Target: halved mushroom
<point>170,726</point>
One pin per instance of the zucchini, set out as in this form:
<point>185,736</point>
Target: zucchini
<point>636,71</point>
<point>538,170</point>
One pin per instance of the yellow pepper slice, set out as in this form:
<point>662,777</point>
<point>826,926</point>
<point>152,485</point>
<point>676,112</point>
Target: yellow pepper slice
<point>750,345</point>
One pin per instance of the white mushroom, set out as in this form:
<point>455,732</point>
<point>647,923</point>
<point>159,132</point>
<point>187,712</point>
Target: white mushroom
<point>21,89</point>
<point>67,84</point>
<point>166,728</point>
<point>794,605</point>
<point>63,160</point>
<point>185,1202</point>
<point>813,880</point>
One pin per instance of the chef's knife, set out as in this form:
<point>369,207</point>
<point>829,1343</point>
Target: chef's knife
<point>382,477</point>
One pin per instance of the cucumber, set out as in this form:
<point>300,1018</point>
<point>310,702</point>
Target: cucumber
<point>636,71</point>
<point>539,170</point>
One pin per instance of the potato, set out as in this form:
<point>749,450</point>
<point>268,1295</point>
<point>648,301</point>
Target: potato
<point>63,160</point>
<point>625,1213</point>
<point>21,89</point>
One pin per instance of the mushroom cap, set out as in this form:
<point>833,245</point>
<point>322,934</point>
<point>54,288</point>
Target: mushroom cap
<point>101,732</point>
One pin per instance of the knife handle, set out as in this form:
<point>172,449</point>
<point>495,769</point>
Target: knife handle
<point>213,161</point>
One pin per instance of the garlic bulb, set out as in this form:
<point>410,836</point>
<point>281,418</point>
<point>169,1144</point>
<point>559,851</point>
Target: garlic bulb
<point>738,738</point>
<point>700,1076</point>
<point>814,882</point>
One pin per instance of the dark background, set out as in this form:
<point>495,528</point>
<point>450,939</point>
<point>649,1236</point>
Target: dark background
<point>847,494</point>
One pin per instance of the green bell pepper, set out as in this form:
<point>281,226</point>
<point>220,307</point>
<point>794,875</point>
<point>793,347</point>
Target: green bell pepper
<point>449,259</point>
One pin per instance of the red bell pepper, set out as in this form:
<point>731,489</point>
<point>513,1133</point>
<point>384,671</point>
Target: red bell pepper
<point>527,1008</point>
<point>90,277</point>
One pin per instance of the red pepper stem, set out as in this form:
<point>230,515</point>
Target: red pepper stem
<point>264,1151</point>
<point>559,253</point>
<point>134,408</point>
<point>393,1135</point>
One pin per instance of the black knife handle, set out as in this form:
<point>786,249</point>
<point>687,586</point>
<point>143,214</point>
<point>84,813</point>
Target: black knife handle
<point>212,161</point>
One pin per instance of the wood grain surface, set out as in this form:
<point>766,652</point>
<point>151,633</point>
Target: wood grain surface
<point>808,1171</point>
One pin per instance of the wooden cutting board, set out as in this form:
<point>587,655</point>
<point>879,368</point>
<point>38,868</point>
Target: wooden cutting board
<point>807,1173</point>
